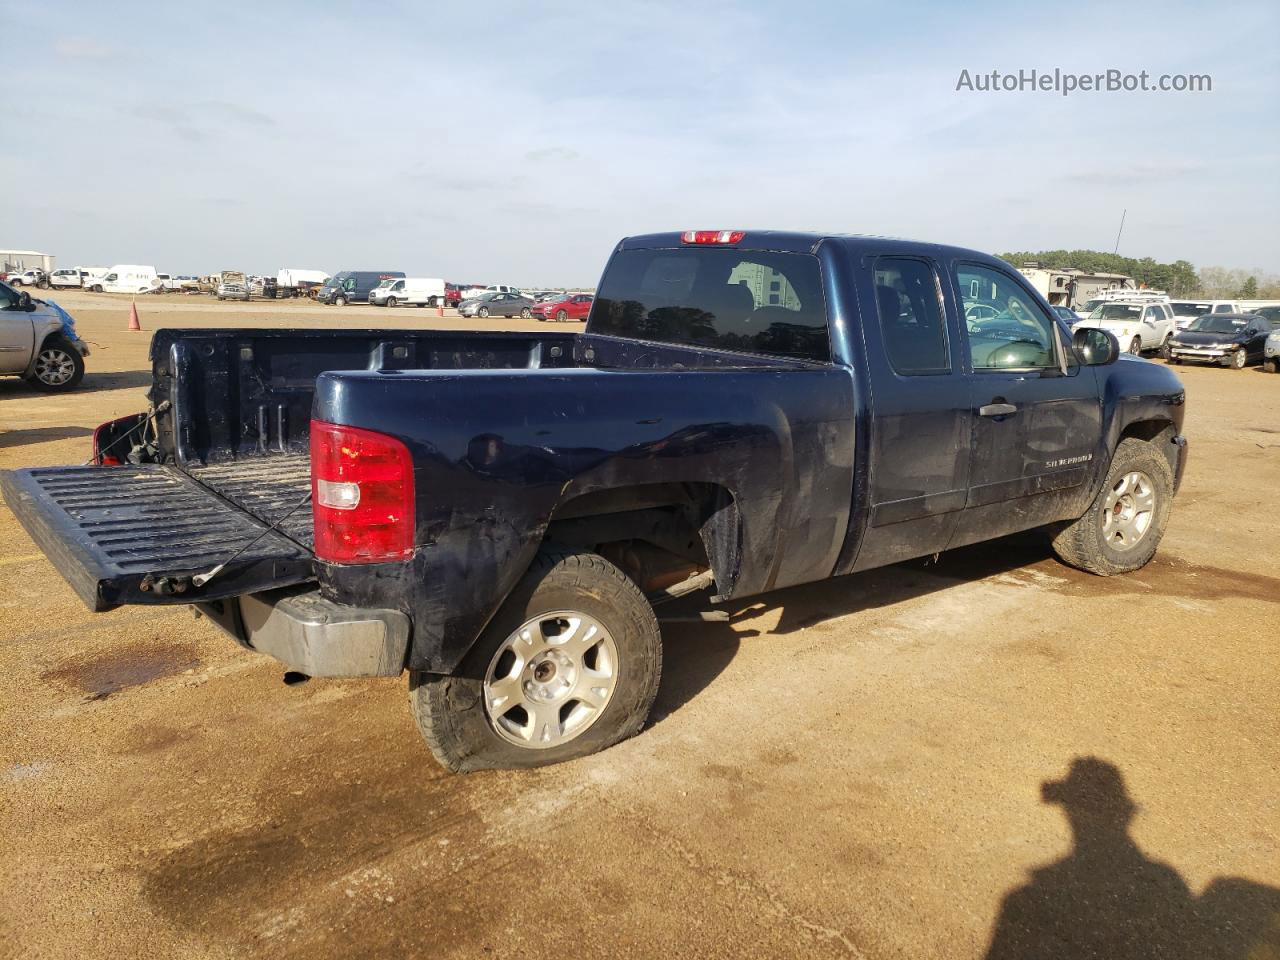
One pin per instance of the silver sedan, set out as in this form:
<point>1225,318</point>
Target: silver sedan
<point>497,305</point>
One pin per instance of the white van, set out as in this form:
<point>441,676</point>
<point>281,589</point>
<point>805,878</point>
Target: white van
<point>1185,311</point>
<point>124,278</point>
<point>410,291</point>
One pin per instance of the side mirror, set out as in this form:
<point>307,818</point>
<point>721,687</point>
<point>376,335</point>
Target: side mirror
<point>24,301</point>
<point>1095,347</point>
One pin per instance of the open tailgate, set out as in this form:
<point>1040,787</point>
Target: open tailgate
<point>137,535</point>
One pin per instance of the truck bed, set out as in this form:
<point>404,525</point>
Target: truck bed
<point>273,489</point>
<point>228,467</point>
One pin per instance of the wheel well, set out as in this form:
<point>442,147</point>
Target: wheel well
<point>659,534</point>
<point>1158,432</point>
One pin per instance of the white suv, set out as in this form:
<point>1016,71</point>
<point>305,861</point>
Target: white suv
<point>1140,324</point>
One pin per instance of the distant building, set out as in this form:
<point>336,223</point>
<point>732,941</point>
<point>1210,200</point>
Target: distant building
<point>768,287</point>
<point>16,261</point>
<point>1069,287</point>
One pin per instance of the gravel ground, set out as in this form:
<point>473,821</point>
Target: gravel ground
<point>992,755</point>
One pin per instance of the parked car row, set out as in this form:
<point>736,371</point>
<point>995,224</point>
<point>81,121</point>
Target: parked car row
<point>1187,331</point>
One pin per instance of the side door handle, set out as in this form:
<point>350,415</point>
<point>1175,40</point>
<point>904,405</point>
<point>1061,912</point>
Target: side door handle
<point>997,409</point>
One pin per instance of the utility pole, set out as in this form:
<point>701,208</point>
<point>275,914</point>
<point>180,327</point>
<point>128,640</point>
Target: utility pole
<point>1121,230</point>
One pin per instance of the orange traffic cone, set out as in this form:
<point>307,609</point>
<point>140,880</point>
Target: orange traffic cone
<point>440,307</point>
<point>133,317</point>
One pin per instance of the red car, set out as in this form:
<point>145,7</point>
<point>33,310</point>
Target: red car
<point>572,306</point>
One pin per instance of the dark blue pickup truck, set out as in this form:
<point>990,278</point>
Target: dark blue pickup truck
<point>498,513</point>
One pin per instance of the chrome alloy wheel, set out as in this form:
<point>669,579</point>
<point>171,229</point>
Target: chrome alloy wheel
<point>1128,510</point>
<point>54,367</point>
<point>551,679</point>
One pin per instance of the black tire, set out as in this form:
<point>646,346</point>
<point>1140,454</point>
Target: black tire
<point>1081,544</point>
<point>483,313</point>
<point>1271,365</point>
<point>526,314</point>
<point>1239,359</point>
<point>339,301</point>
<point>562,315</point>
<point>450,710</point>
<point>1175,361</point>
<point>1135,346</point>
<point>433,302</point>
<point>62,352</point>
<point>1164,346</point>
<point>391,301</point>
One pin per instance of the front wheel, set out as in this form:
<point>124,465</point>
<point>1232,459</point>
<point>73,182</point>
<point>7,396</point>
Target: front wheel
<point>59,366</point>
<point>1124,524</point>
<point>1239,359</point>
<point>1271,365</point>
<point>483,312</point>
<point>568,667</point>
<point>562,315</point>
<point>339,301</point>
<point>392,301</point>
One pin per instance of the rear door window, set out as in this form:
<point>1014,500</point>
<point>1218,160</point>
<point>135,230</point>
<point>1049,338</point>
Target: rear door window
<point>753,301</point>
<point>909,303</point>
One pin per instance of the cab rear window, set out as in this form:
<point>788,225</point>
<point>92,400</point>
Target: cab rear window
<point>752,301</point>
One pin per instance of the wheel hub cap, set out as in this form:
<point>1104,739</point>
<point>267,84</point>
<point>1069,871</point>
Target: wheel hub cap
<point>1128,511</point>
<point>551,679</point>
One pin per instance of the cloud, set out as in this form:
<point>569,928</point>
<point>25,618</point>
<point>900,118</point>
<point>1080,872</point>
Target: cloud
<point>83,48</point>
<point>1134,175</point>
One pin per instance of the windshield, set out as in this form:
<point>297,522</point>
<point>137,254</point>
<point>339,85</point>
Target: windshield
<point>1189,309</point>
<point>1208,324</point>
<point>754,301</point>
<point>390,282</point>
<point>488,296</point>
<point>1091,305</point>
<point>1117,311</point>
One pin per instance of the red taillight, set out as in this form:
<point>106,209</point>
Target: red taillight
<point>713,236</point>
<point>110,435</point>
<point>361,494</point>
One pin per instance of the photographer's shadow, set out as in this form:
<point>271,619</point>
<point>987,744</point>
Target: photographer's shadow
<point>1106,899</point>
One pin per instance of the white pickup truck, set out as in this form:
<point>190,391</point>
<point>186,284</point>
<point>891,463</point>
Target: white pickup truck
<point>1141,324</point>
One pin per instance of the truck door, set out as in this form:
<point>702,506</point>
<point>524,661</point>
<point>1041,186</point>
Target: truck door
<point>921,420</point>
<point>17,335</point>
<point>1037,414</point>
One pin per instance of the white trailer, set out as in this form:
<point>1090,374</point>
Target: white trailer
<point>294,282</point>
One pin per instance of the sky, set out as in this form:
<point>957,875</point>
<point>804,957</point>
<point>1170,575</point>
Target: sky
<point>518,142</point>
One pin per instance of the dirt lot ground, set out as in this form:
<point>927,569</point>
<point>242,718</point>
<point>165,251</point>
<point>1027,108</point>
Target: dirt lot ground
<point>991,753</point>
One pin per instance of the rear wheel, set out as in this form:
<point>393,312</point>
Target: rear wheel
<point>59,366</point>
<point>433,302</point>
<point>1123,526</point>
<point>569,666</point>
<point>1135,346</point>
<point>526,314</point>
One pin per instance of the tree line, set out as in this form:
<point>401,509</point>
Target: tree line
<point>1180,278</point>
